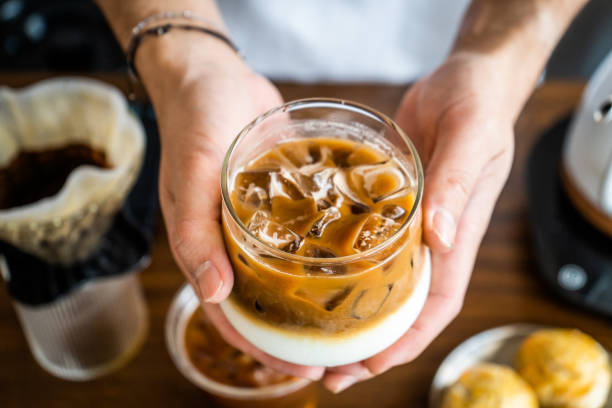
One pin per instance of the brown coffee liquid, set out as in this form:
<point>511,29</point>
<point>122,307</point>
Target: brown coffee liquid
<point>323,198</point>
<point>34,175</point>
<point>219,361</point>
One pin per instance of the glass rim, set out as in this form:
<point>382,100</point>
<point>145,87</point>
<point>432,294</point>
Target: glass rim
<point>335,103</point>
<point>183,305</point>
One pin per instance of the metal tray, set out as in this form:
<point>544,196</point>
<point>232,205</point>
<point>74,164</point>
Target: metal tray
<point>497,345</point>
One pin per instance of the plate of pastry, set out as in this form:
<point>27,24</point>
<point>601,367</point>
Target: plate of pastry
<point>524,366</point>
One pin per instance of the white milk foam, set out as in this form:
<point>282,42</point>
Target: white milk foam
<point>333,351</point>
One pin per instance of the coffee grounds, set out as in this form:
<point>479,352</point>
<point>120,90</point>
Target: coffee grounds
<point>34,175</point>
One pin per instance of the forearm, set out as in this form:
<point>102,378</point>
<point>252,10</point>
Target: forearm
<point>517,37</point>
<point>175,58</point>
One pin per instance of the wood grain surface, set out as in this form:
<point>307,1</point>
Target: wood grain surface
<point>504,289</point>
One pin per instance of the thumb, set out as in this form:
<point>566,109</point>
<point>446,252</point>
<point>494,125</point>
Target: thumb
<point>454,168</point>
<point>190,199</point>
<point>199,249</point>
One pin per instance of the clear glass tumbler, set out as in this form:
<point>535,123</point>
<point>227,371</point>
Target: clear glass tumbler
<point>365,301</point>
<point>297,393</point>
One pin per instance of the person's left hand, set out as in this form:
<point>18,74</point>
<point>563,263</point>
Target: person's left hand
<point>460,123</point>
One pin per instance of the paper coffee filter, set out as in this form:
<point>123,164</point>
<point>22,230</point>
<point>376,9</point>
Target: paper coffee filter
<point>67,226</point>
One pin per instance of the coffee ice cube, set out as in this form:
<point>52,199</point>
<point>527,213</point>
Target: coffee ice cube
<point>273,233</point>
<point>374,231</point>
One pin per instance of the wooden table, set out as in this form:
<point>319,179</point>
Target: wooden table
<point>504,289</point>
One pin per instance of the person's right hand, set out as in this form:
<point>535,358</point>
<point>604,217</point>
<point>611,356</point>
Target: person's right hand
<point>202,100</point>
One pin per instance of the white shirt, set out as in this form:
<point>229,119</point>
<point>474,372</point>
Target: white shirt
<point>343,40</point>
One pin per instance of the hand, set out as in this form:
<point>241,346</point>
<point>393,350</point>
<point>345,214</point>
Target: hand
<point>199,114</point>
<point>463,130</point>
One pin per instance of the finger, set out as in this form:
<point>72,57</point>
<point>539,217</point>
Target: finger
<point>354,369</point>
<point>337,382</point>
<point>450,276</point>
<point>190,198</point>
<point>234,338</point>
<point>454,168</point>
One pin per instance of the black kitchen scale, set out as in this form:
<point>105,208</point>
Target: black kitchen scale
<point>575,258</point>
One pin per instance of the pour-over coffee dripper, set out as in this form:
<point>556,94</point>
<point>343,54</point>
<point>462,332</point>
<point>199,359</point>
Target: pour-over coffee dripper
<point>70,260</point>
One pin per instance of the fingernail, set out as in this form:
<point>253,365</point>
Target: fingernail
<point>364,372</point>
<point>343,384</point>
<point>208,281</point>
<point>443,225</point>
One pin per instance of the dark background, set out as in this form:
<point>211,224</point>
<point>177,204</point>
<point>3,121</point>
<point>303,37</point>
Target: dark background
<point>71,35</point>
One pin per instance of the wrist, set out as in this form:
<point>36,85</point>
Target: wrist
<point>501,79</point>
<point>178,58</point>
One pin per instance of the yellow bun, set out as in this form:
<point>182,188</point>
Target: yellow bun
<point>566,368</point>
<point>490,386</point>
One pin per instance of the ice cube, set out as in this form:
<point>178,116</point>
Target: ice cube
<point>284,184</point>
<point>337,298</point>
<point>321,158</point>
<point>326,299</point>
<point>357,208</point>
<point>396,194</point>
<point>315,251</point>
<point>255,196</point>
<point>340,155</point>
<point>370,301</point>
<point>273,233</point>
<point>297,153</point>
<point>379,180</point>
<point>323,205</point>
<point>316,185</point>
<point>341,185</point>
<point>321,183</point>
<point>329,215</point>
<point>374,231</point>
<point>297,215</point>
<point>258,178</point>
<point>273,159</point>
<point>393,211</point>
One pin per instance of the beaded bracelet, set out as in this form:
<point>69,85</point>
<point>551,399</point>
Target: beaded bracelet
<point>170,15</point>
<point>140,32</point>
<point>163,29</point>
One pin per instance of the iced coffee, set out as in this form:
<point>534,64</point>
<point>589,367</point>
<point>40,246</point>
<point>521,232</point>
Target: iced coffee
<point>323,229</point>
<point>230,378</point>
